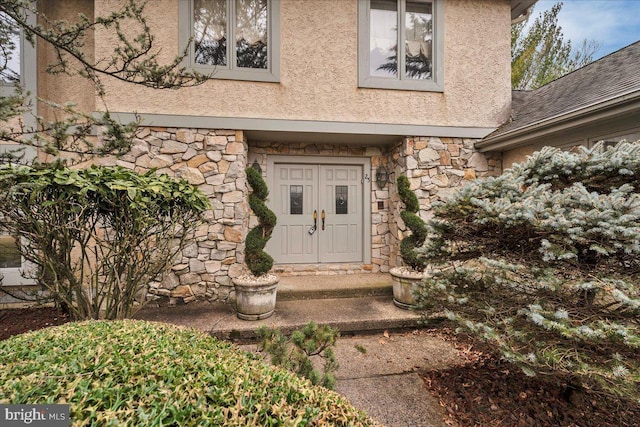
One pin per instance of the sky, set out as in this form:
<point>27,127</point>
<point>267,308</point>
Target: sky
<point>612,23</point>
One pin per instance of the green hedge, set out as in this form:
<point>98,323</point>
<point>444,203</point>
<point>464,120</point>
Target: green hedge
<point>140,373</point>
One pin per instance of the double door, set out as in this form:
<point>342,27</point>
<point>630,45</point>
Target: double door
<point>320,213</point>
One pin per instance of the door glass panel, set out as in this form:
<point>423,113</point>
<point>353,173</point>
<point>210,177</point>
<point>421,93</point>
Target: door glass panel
<point>418,40</point>
<point>210,31</point>
<point>9,254</point>
<point>342,199</point>
<point>295,197</point>
<point>251,33</point>
<point>384,38</point>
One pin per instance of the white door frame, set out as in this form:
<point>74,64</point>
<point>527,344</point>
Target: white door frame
<point>365,162</point>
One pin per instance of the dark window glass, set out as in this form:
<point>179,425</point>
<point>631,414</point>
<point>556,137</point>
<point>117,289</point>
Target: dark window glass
<point>9,253</point>
<point>295,196</point>
<point>418,40</point>
<point>210,31</point>
<point>251,33</point>
<point>247,29</point>
<point>342,199</point>
<point>384,38</point>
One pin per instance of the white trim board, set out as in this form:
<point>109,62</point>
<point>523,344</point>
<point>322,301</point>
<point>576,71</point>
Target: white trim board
<point>264,127</point>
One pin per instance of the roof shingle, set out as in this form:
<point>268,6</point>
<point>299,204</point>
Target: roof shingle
<point>607,78</point>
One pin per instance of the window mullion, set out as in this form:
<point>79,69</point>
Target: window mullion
<point>269,29</point>
<point>231,34</point>
<point>192,33</point>
<point>401,37</point>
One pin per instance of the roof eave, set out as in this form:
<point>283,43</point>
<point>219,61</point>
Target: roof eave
<point>520,10</point>
<point>527,134</point>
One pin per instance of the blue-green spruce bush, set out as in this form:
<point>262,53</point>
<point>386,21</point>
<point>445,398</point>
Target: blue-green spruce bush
<point>543,262</point>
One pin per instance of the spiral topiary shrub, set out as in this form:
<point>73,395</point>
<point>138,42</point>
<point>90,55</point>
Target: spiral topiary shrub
<point>414,223</point>
<point>136,373</point>
<point>258,261</point>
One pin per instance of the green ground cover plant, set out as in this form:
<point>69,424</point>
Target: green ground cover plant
<point>543,263</point>
<point>135,373</point>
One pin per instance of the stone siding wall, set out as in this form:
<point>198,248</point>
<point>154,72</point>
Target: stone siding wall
<point>435,168</point>
<point>215,161</point>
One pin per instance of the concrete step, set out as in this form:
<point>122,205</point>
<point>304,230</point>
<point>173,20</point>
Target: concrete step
<point>349,315</point>
<point>352,303</point>
<point>334,286</point>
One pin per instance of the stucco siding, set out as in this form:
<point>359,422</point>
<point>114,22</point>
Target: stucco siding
<point>516,155</point>
<point>63,88</point>
<point>318,71</point>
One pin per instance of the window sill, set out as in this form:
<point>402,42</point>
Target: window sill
<point>240,75</point>
<point>394,84</point>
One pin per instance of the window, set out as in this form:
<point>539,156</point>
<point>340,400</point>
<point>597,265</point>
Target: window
<point>401,44</point>
<point>232,39</point>
<point>17,59</point>
<point>629,136</point>
<point>10,52</point>
<point>17,66</point>
<point>11,263</point>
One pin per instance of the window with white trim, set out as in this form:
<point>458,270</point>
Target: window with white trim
<point>612,139</point>
<point>232,39</point>
<point>10,45</point>
<point>17,67</point>
<point>400,44</point>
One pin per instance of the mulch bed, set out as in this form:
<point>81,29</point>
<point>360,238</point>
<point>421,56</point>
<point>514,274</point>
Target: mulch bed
<point>18,321</point>
<point>486,391</point>
<point>482,391</point>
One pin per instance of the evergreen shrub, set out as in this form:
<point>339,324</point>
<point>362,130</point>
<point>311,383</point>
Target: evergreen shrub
<point>258,261</point>
<point>135,373</point>
<point>295,353</point>
<point>94,238</point>
<point>543,262</point>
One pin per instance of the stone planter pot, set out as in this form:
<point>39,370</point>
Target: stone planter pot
<point>255,296</point>
<point>405,281</point>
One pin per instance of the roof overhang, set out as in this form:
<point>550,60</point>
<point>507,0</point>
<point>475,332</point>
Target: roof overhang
<point>520,10</point>
<point>316,131</point>
<point>626,104</point>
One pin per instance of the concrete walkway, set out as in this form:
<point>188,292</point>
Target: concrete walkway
<point>380,352</point>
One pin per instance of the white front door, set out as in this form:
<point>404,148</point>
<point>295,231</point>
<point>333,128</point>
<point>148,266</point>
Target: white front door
<point>320,210</point>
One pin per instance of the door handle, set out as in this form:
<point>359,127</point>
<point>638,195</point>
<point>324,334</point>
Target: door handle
<point>315,223</point>
<point>323,216</point>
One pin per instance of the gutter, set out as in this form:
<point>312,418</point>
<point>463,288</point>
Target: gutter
<point>523,15</point>
<point>520,136</point>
